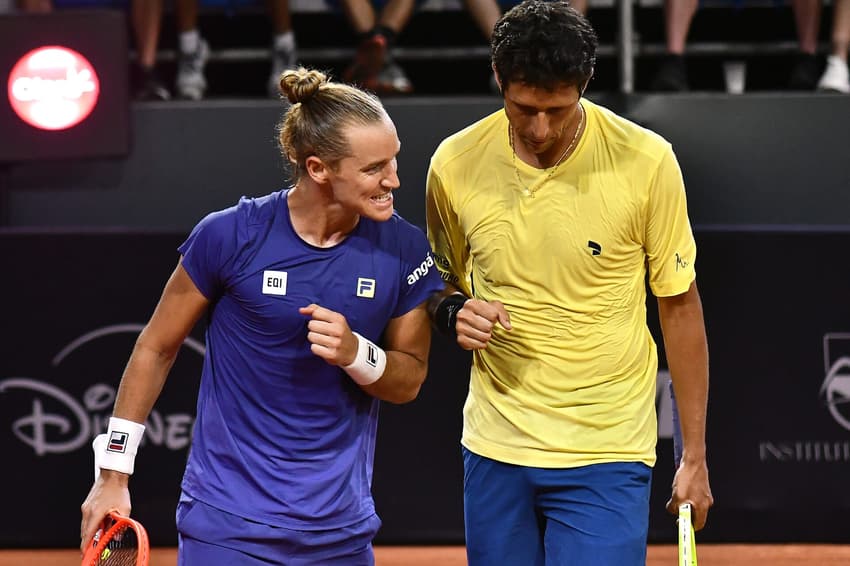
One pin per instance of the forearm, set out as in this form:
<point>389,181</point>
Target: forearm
<point>140,387</point>
<point>687,358</point>
<point>179,308</point>
<point>142,381</point>
<point>407,341</point>
<point>688,365</point>
<point>401,380</point>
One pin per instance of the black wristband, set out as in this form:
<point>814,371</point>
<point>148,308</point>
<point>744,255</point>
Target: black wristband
<point>445,317</point>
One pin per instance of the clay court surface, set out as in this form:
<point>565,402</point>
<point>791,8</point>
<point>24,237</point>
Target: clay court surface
<point>658,555</point>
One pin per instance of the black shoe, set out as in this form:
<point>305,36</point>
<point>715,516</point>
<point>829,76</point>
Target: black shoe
<point>146,85</point>
<point>805,72</point>
<point>671,76</point>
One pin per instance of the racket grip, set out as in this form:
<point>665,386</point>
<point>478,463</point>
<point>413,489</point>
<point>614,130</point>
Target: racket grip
<point>687,542</point>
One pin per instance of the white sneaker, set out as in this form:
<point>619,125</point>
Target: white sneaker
<point>836,77</point>
<point>191,83</point>
<point>392,80</point>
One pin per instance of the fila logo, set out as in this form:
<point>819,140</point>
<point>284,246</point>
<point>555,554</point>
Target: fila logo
<point>372,356</point>
<point>365,288</point>
<point>117,442</point>
<point>595,249</point>
<point>274,282</point>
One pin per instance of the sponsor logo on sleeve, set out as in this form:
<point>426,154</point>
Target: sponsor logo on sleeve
<point>421,270</point>
<point>449,277</point>
<point>442,261</point>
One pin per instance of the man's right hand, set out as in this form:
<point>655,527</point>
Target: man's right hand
<point>110,492</point>
<point>476,320</point>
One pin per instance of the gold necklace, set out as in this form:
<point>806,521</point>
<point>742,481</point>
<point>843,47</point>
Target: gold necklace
<point>526,190</point>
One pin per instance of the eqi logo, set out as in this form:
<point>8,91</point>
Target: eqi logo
<point>836,384</point>
<point>53,88</point>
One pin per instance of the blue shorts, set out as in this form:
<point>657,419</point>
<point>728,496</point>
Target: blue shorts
<point>213,537</point>
<point>517,515</point>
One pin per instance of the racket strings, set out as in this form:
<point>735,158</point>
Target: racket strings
<point>122,549</point>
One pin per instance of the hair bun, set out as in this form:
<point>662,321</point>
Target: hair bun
<point>300,85</point>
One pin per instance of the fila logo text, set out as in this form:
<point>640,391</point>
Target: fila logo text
<point>117,442</point>
<point>365,288</point>
<point>372,356</point>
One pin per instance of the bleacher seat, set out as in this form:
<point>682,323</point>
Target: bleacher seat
<point>761,32</point>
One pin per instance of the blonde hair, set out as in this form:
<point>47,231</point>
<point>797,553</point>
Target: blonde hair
<point>320,111</point>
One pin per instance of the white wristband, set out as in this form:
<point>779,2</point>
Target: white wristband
<point>99,447</point>
<point>122,442</point>
<point>369,363</point>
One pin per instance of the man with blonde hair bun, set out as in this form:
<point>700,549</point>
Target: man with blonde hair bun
<point>313,319</point>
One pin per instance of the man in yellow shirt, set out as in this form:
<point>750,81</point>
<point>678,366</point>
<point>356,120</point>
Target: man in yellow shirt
<point>545,219</point>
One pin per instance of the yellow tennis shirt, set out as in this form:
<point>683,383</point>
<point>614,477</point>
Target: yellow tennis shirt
<point>573,383</point>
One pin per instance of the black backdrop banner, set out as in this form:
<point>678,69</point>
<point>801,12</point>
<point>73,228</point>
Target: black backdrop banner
<point>778,319</point>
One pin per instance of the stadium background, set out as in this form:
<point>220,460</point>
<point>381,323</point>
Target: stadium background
<point>87,243</point>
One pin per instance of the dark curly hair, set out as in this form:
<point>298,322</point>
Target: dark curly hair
<point>543,44</point>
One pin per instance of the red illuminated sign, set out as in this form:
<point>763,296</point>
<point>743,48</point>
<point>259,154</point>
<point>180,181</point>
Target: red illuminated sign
<point>53,88</point>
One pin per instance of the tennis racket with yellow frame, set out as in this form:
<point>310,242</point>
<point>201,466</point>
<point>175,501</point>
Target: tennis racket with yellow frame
<point>687,540</point>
